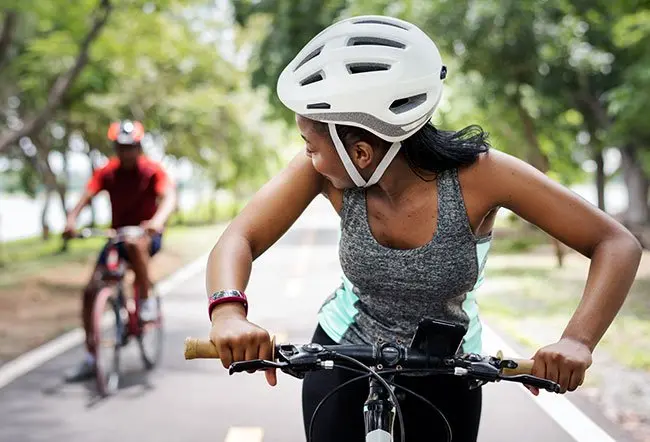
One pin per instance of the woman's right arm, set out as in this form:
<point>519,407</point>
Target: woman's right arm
<point>269,214</point>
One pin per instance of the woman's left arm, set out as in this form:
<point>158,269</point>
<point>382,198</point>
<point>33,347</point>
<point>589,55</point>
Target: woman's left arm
<point>614,252</point>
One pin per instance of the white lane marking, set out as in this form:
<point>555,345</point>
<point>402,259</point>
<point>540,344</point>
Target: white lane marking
<point>244,434</point>
<point>578,425</point>
<point>25,363</point>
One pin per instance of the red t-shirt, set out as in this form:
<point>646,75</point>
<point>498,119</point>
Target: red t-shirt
<point>133,193</point>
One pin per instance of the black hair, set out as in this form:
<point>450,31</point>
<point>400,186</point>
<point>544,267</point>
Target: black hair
<point>429,150</point>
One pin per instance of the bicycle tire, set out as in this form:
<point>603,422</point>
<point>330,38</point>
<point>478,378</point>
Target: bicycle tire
<point>107,335</point>
<point>151,337</point>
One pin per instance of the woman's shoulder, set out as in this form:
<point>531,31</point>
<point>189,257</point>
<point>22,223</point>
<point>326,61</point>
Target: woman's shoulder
<point>490,168</point>
<point>484,182</point>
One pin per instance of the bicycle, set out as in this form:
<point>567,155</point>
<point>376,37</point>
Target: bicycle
<point>115,318</point>
<point>433,350</point>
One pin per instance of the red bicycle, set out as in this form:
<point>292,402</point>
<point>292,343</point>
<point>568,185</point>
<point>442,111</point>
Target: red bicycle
<point>115,317</point>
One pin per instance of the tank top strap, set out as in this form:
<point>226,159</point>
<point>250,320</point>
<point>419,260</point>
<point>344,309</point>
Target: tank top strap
<point>354,208</point>
<point>452,215</point>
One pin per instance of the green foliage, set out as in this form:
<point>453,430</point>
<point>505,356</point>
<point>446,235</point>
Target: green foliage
<point>535,74</point>
<point>167,63</point>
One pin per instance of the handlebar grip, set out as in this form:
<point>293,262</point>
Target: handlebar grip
<point>196,348</point>
<point>524,366</point>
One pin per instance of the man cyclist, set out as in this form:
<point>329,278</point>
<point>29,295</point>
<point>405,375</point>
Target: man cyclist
<point>141,194</point>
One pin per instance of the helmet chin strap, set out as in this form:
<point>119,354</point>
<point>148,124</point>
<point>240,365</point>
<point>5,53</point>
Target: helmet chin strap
<point>352,170</point>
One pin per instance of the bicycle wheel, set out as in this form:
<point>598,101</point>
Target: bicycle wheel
<point>151,336</point>
<point>107,336</point>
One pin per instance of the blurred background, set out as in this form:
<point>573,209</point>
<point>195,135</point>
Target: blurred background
<point>562,84</point>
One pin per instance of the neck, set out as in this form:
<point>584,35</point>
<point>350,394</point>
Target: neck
<point>398,181</point>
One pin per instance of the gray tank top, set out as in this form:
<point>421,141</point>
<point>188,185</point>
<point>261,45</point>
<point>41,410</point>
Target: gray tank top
<point>386,292</point>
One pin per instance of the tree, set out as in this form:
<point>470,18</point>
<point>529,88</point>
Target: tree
<point>32,122</point>
<point>161,63</point>
<point>629,109</point>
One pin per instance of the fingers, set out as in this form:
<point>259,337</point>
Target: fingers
<point>266,352</point>
<point>564,379</point>
<point>577,379</point>
<point>271,377</point>
<point>533,390</point>
<point>225,354</point>
<point>539,367</point>
<point>564,363</point>
<point>552,371</point>
<point>265,348</point>
<point>254,343</point>
<point>238,347</point>
<point>252,352</point>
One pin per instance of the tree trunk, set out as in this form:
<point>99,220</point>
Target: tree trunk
<point>600,177</point>
<point>539,160</point>
<point>45,227</point>
<point>637,183</point>
<point>6,37</point>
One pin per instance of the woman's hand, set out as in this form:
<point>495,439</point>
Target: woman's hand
<point>237,339</point>
<point>564,362</point>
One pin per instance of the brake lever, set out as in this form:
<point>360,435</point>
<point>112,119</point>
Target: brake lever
<point>533,381</point>
<point>254,365</point>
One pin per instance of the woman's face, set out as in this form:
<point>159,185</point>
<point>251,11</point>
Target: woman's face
<point>326,161</point>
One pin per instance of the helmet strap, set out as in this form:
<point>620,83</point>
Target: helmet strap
<point>350,167</point>
<point>383,164</point>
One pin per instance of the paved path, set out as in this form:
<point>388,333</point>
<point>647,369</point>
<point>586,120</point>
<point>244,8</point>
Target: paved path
<point>197,400</point>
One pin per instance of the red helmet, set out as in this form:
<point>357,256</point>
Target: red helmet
<point>126,132</point>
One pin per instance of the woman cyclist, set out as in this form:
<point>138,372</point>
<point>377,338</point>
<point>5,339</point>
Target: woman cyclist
<point>417,206</point>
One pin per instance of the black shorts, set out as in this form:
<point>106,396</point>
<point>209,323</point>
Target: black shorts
<point>341,418</point>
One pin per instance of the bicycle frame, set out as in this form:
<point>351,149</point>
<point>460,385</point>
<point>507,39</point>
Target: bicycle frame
<point>116,268</point>
<point>378,413</point>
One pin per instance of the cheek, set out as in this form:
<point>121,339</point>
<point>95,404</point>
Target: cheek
<point>320,164</point>
<point>332,169</point>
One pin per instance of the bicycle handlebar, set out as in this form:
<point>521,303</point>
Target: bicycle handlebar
<point>116,235</point>
<point>296,360</point>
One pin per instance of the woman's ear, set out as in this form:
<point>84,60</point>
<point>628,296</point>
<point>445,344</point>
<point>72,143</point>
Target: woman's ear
<point>362,154</point>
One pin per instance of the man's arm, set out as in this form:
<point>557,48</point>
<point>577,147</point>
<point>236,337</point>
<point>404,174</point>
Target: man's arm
<point>74,213</point>
<point>166,189</point>
<point>95,184</point>
<point>167,205</point>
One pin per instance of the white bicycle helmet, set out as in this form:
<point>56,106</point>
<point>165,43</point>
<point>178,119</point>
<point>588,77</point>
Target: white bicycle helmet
<point>375,72</point>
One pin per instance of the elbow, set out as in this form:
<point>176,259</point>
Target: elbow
<point>627,245</point>
<point>232,242</point>
<point>635,247</point>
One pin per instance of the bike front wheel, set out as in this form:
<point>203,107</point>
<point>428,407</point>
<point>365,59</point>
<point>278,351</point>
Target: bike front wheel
<point>107,336</point>
<point>151,337</point>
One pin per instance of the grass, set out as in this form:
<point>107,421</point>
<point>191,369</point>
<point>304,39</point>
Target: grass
<point>532,301</point>
<point>22,257</point>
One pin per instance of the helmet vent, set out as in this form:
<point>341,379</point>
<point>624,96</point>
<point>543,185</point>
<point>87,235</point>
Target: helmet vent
<point>314,78</point>
<point>319,106</point>
<point>375,41</point>
<point>406,104</point>
<point>360,68</point>
<point>313,54</point>
<point>379,22</point>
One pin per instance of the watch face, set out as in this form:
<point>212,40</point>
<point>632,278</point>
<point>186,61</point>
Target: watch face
<point>226,294</point>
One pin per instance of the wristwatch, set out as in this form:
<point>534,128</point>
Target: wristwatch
<point>223,296</point>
